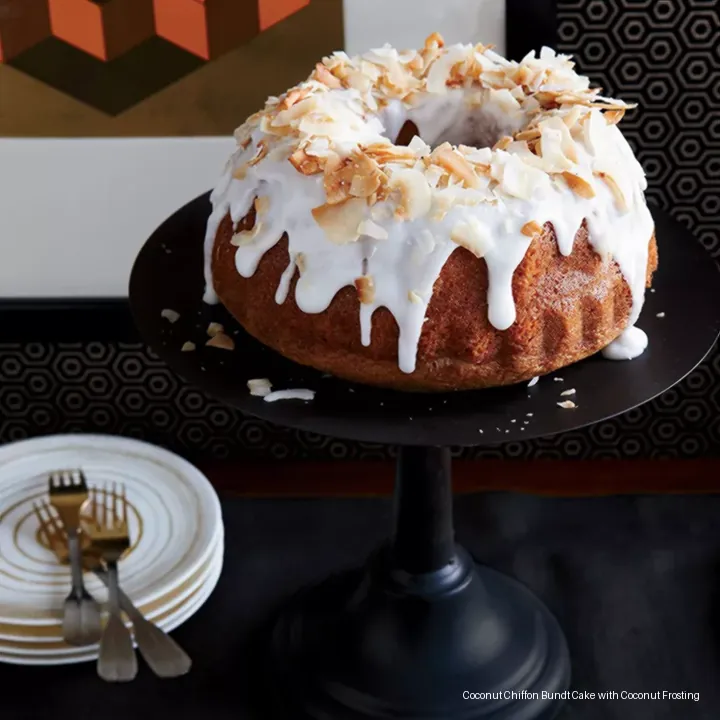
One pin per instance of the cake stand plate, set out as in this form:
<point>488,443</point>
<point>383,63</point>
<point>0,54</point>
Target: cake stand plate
<point>168,274</point>
<point>420,633</point>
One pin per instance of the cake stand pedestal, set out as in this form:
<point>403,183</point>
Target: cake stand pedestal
<point>420,633</point>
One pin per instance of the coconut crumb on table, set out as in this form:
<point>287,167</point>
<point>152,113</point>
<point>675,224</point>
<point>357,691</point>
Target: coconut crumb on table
<point>660,315</point>
<point>187,346</point>
<point>221,341</point>
<point>534,381</point>
<point>567,405</point>
<point>290,394</point>
<point>170,315</point>
<point>260,387</point>
<point>571,391</point>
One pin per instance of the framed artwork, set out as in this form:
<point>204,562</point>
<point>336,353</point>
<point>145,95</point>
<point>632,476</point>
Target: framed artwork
<point>84,68</point>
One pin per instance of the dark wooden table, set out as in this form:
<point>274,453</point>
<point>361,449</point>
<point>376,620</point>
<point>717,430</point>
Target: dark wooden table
<point>633,580</point>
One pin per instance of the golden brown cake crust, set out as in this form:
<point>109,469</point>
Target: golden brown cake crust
<point>567,309</point>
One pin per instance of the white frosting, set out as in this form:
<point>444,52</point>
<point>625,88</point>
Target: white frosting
<point>629,345</point>
<point>402,238</point>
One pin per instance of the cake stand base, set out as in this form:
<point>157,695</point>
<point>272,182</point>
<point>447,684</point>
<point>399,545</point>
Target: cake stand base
<point>459,644</point>
<point>422,633</point>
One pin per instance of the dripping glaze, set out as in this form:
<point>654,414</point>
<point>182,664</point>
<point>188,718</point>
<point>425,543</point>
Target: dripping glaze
<point>406,256</point>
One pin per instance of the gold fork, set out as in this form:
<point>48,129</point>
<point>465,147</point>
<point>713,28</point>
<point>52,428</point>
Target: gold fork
<point>81,613</point>
<point>110,534</point>
<point>162,654</point>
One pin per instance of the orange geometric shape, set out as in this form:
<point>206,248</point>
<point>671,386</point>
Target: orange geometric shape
<point>273,11</point>
<point>207,28</point>
<point>103,28</point>
<point>23,23</point>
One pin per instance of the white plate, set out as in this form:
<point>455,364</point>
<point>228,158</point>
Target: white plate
<point>175,521</point>
<point>152,611</point>
<point>78,655</point>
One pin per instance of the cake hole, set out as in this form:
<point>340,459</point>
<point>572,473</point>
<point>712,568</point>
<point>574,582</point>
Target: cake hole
<point>476,128</point>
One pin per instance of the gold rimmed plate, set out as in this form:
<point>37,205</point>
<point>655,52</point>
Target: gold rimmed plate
<point>175,522</point>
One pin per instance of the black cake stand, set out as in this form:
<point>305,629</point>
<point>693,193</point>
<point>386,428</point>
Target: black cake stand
<point>421,632</point>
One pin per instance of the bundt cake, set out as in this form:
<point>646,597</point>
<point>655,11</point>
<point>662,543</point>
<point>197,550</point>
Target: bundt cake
<point>435,219</point>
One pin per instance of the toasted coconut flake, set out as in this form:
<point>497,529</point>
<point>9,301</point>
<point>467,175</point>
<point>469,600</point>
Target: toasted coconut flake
<point>531,228</point>
<point>260,387</point>
<point>214,328</point>
<point>503,143</point>
<point>572,117</point>
<point>221,341</point>
<point>340,222</point>
<point>434,40</point>
<point>567,405</point>
<point>365,287</point>
<point>357,175</point>
<point>324,76</point>
<point>306,164</point>
<point>609,180</point>
<point>613,117</point>
<point>414,298</point>
<point>187,346</point>
<point>579,185</point>
<point>170,315</point>
<point>456,164</point>
<point>294,96</point>
<point>415,194</point>
<point>532,133</point>
<point>364,185</point>
<point>262,151</point>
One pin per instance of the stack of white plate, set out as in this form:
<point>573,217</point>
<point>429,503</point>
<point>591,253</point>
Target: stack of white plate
<point>176,530</point>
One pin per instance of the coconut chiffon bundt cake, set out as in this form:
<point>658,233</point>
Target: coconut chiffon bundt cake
<point>435,219</point>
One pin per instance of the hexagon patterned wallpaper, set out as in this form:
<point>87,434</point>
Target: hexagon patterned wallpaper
<point>124,389</point>
<point>665,55</point>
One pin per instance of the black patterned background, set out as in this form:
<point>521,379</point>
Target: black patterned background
<point>664,54</point>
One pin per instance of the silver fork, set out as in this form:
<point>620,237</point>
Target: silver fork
<point>81,613</point>
<point>117,661</point>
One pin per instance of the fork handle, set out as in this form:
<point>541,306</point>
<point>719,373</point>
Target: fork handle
<point>162,654</point>
<point>116,660</point>
<point>76,571</point>
<point>113,589</point>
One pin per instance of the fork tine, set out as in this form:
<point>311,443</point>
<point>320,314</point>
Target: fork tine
<point>43,524</point>
<point>113,504</point>
<point>54,521</point>
<point>82,480</point>
<point>106,515</point>
<point>123,504</point>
